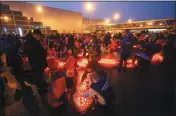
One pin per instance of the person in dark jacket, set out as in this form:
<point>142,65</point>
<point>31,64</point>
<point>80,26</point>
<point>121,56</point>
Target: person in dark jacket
<point>70,42</point>
<point>126,49</point>
<point>107,39</point>
<point>37,59</point>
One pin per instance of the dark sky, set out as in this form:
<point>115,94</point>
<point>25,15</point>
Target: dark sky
<point>134,10</point>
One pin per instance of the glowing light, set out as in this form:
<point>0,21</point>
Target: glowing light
<point>160,24</point>
<point>116,16</point>
<point>107,21</point>
<point>89,6</point>
<point>39,9</point>
<point>82,104</point>
<point>129,20</point>
<point>61,64</point>
<point>5,29</point>
<point>141,25</point>
<point>130,63</point>
<point>82,62</point>
<point>6,18</point>
<point>109,61</point>
<point>135,46</point>
<point>29,18</point>
<point>157,58</point>
<point>150,23</point>
<point>20,31</point>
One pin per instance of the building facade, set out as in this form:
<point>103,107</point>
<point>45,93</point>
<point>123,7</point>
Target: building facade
<point>12,21</point>
<point>57,19</point>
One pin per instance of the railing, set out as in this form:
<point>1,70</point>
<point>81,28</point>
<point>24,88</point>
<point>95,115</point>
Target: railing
<point>151,24</point>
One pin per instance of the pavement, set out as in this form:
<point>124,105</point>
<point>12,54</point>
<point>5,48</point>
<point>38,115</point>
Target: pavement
<point>138,93</point>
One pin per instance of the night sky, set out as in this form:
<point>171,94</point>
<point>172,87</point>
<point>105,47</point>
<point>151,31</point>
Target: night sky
<point>133,10</point>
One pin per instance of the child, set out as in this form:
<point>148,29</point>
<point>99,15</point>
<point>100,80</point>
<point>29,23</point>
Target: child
<point>56,95</point>
<point>99,88</point>
<point>70,71</point>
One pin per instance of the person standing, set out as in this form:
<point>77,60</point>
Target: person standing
<point>107,39</point>
<point>126,49</point>
<point>70,72</point>
<point>37,59</point>
<point>71,42</point>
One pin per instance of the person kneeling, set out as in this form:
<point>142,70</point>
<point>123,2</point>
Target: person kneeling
<point>99,89</point>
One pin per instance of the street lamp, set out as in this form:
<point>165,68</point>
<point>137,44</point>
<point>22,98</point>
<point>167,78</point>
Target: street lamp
<point>129,20</point>
<point>116,16</point>
<point>107,21</point>
<point>39,9</point>
<point>6,18</point>
<point>90,8</point>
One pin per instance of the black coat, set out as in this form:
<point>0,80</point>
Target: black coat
<point>70,42</point>
<point>36,55</point>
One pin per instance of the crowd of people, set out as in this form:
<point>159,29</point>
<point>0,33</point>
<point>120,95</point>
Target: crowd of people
<point>33,77</point>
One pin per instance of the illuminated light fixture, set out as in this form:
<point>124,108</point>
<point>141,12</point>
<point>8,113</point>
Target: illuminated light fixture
<point>160,24</point>
<point>89,6</point>
<point>5,29</point>
<point>141,25</point>
<point>1,17</point>
<point>39,9</point>
<point>29,18</point>
<point>129,20</point>
<point>6,18</point>
<point>116,16</point>
<point>150,23</point>
<point>20,31</point>
<point>107,21</point>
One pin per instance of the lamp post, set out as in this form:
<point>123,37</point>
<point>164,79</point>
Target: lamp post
<point>129,20</point>
<point>90,8</point>
<point>40,10</point>
<point>116,16</point>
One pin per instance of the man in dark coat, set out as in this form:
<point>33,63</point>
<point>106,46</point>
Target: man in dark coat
<point>37,58</point>
<point>70,42</point>
<point>107,39</point>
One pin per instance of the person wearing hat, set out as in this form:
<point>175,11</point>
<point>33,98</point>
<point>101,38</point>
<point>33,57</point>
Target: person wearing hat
<point>37,58</point>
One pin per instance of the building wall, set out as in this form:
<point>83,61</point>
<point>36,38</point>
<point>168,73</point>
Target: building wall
<point>87,24</point>
<point>58,19</point>
<point>92,21</point>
